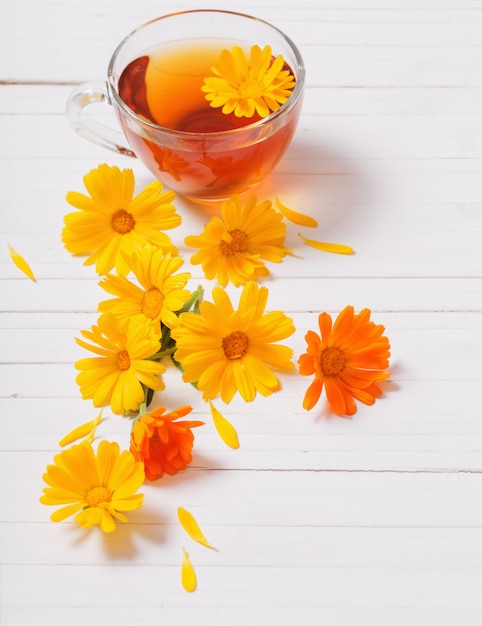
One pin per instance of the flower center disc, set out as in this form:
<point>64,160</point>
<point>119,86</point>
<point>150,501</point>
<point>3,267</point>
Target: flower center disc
<point>252,89</point>
<point>332,361</point>
<point>235,345</point>
<point>97,495</point>
<point>238,243</point>
<point>123,361</point>
<point>122,222</point>
<point>152,303</point>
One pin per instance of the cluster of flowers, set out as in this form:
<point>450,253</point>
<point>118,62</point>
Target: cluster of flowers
<point>221,349</point>
<point>152,315</point>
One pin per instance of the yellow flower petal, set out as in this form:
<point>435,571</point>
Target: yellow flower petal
<point>337,248</point>
<point>225,429</point>
<point>81,431</point>
<point>294,216</point>
<point>188,575</point>
<point>21,263</point>
<point>187,521</point>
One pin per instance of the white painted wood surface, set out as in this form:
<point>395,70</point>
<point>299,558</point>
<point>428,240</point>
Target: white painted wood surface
<point>373,520</point>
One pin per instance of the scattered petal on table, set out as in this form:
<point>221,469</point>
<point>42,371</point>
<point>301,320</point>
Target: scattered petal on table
<point>297,218</point>
<point>81,431</point>
<point>21,263</point>
<point>337,248</point>
<point>225,429</point>
<point>188,575</point>
<point>191,526</point>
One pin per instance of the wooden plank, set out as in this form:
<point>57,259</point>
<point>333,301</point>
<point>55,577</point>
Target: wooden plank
<point>272,497</point>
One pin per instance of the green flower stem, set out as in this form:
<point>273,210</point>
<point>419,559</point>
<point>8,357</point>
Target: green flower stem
<point>193,301</point>
<point>161,354</point>
<point>168,345</point>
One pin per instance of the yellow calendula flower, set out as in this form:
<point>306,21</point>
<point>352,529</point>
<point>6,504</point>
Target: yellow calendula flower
<point>122,367</point>
<point>232,247</point>
<point>158,295</point>
<point>112,221</point>
<point>258,84</point>
<point>95,486</point>
<point>227,351</point>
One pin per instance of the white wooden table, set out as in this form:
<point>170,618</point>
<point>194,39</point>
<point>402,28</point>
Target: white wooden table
<point>373,520</point>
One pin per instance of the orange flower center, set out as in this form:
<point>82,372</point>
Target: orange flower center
<point>98,495</point>
<point>152,303</point>
<point>332,361</point>
<point>238,243</point>
<point>122,222</point>
<point>235,345</point>
<point>251,89</point>
<point>123,361</point>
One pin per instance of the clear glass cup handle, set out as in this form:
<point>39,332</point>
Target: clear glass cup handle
<point>92,130</point>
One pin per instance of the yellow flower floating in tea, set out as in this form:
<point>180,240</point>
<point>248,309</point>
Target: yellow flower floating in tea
<point>249,85</point>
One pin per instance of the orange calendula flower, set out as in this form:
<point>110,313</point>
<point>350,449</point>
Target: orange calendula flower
<point>162,443</point>
<point>122,368</point>
<point>348,358</point>
<point>227,351</point>
<point>96,486</point>
<point>232,247</point>
<point>258,84</point>
<point>112,221</point>
<point>158,295</point>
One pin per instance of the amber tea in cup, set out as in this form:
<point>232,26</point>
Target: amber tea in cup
<point>155,82</point>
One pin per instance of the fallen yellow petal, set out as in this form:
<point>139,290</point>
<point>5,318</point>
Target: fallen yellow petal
<point>190,525</point>
<point>297,218</point>
<point>21,263</point>
<point>337,248</point>
<point>85,430</point>
<point>188,575</point>
<point>225,429</point>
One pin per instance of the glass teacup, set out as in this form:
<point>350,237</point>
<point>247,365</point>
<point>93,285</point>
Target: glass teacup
<point>192,147</point>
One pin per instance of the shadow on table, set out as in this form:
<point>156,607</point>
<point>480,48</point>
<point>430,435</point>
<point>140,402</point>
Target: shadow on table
<point>321,182</point>
<point>310,178</point>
